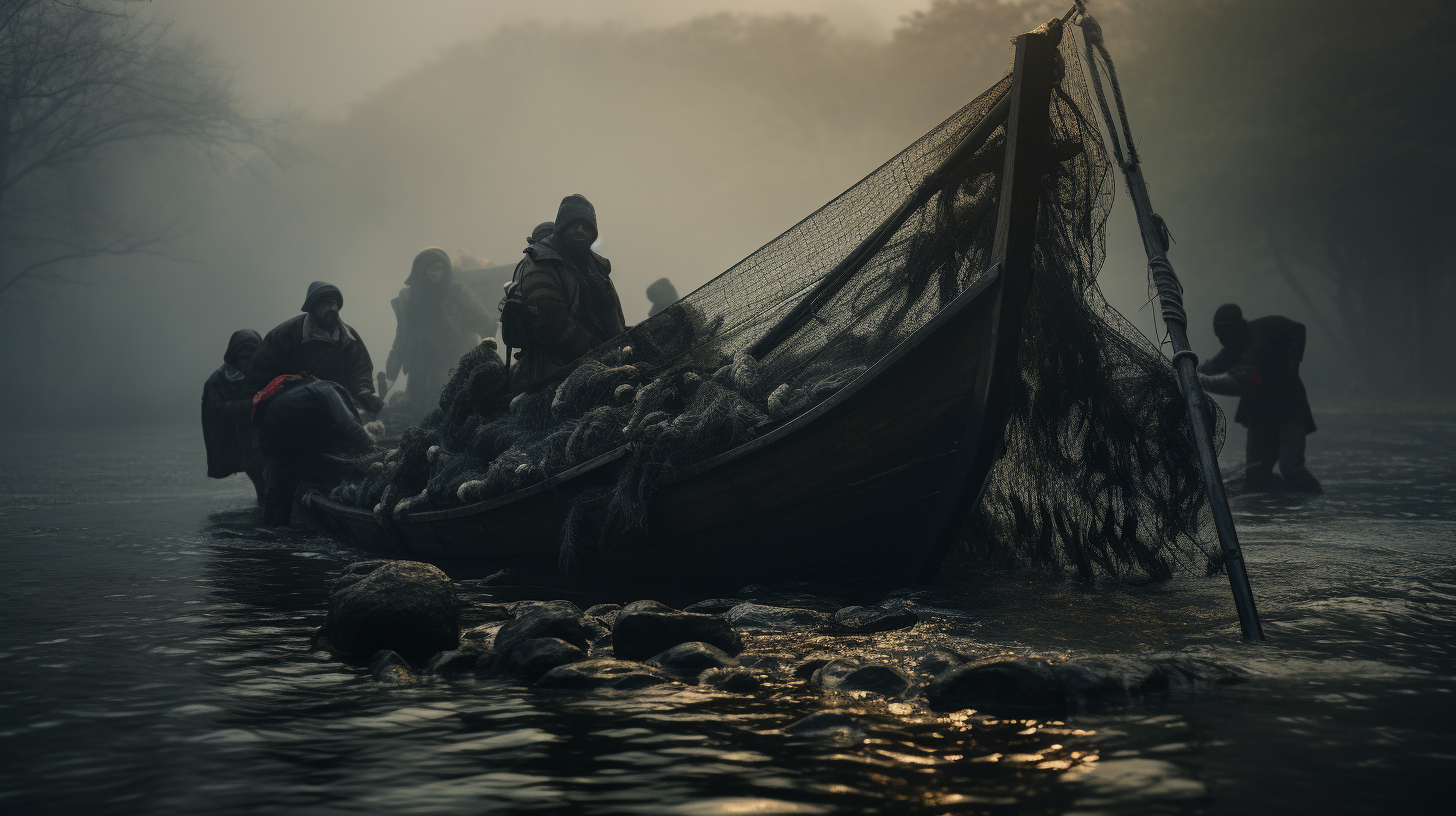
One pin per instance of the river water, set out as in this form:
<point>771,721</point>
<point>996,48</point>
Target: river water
<point>154,659</point>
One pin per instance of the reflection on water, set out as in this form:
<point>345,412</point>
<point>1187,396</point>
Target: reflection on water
<point>155,656</point>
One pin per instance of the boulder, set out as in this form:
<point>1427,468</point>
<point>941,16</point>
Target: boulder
<point>754,617</point>
<point>552,619</point>
<point>647,628</point>
<point>457,661</point>
<point>938,661</point>
<point>481,637</point>
<point>714,606</point>
<point>1091,683</point>
<point>866,619</point>
<point>606,613</point>
<point>388,667</point>
<point>835,727</point>
<point>401,606</point>
<point>489,613</point>
<point>735,679</point>
<point>806,669</point>
<point>1010,687</point>
<point>847,675</point>
<point>601,673</point>
<point>532,658</point>
<point>686,661</point>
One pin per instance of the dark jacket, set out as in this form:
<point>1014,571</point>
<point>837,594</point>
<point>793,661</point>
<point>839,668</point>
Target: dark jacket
<point>309,417</point>
<point>437,322</point>
<point>227,401</point>
<point>346,362</point>
<point>572,309</point>
<point>1263,370</point>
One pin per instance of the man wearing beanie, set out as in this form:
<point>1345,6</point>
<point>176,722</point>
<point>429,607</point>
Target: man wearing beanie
<point>570,303</point>
<point>317,342</point>
<point>1259,363</point>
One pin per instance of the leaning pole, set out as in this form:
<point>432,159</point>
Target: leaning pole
<point>1170,297</point>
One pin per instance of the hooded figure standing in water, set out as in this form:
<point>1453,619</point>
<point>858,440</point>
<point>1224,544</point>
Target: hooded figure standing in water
<point>227,404</point>
<point>439,319</point>
<point>571,306</point>
<point>318,343</point>
<point>1259,363</point>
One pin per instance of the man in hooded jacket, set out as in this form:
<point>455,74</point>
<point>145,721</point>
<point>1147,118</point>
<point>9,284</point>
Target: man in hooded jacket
<point>227,403</point>
<point>439,319</point>
<point>571,305</point>
<point>1259,363</point>
<point>318,343</point>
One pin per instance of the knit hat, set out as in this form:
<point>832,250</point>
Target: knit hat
<point>317,291</point>
<point>423,261</point>
<point>575,208</point>
<point>1229,315</point>
<point>542,230</point>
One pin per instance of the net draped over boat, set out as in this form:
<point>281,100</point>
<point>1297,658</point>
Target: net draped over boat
<point>1099,470</point>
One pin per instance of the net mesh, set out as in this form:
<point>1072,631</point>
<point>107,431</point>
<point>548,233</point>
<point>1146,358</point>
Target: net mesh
<point>1099,473</point>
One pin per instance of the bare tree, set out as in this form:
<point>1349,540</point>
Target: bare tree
<point>84,86</point>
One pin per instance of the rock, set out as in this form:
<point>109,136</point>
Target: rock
<point>686,661</point>
<point>458,661</point>
<point>647,628</point>
<point>532,658</point>
<point>735,679</point>
<point>866,619</point>
<point>606,613</point>
<point>517,607</point>
<point>596,628</point>
<point>601,673</point>
<point>806,670</point>
<point>552,619</point>
<point>847,675</point>
<point>389,667</point>
<point>713,606</point>
<point>831,726</point>
<point>1012,687</point>
<point>402,606</point>
<point>481,637</point>
<point>1091,683</point>
<point>937,661</point>
<point>489,613</point>
<point>753,617</point>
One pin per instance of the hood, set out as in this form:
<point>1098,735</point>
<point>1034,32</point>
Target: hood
<point>317,291</point>
<point>427,256</point>
<point>241,339</point>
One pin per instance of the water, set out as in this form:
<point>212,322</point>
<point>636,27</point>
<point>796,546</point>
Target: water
<point>154,659</point>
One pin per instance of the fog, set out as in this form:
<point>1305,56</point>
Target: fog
<point>1282,135</point>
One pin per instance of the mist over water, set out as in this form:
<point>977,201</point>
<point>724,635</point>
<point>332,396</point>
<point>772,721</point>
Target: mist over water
<point>700,140</point>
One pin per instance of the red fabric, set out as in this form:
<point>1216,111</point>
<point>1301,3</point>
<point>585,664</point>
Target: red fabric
<point>1254,378</point>
<point>272,388</point>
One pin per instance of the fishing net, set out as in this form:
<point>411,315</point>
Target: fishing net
<point>1099,471</point>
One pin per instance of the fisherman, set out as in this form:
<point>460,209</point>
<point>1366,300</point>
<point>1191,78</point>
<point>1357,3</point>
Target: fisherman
<point>227,404</point>
<point>570,304</point>
<point>319,344</point>
<point>306,428</point>
<point>662,294</point>
<point>439,319</point>
<point>1259,363</point>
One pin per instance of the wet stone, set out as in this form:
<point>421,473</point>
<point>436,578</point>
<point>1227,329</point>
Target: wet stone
<point>1091,683</point>
<point>835,727</point>
<point>401,606</point>
<point>1011,687</point>
<point>388,667</point>
<point>938,661</point>
<point>754,617</point>
<point>532,658</point>
<point>734,679</point>
<point>480,637</point>
<point>489,613</point>
<point>601,673</point>
<point>866,619</point>
<point>647,628</point>
<point>846,675</point>
<point>714,606</point>
<point>806,670</point>
<point>458,661</point>
<point>686,661</point>
<point>606,613</point>
<point>552,619</point>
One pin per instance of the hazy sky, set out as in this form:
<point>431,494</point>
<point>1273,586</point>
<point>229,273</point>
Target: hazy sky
<point>324,55</point>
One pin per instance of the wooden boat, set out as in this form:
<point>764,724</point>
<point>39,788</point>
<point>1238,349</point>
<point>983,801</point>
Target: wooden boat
<point>875,480</point>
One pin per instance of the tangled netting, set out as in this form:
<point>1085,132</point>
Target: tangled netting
<point>1099,470</point>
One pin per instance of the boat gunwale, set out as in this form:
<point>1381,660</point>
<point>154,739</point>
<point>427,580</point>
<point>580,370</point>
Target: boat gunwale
<point>842,399</point>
